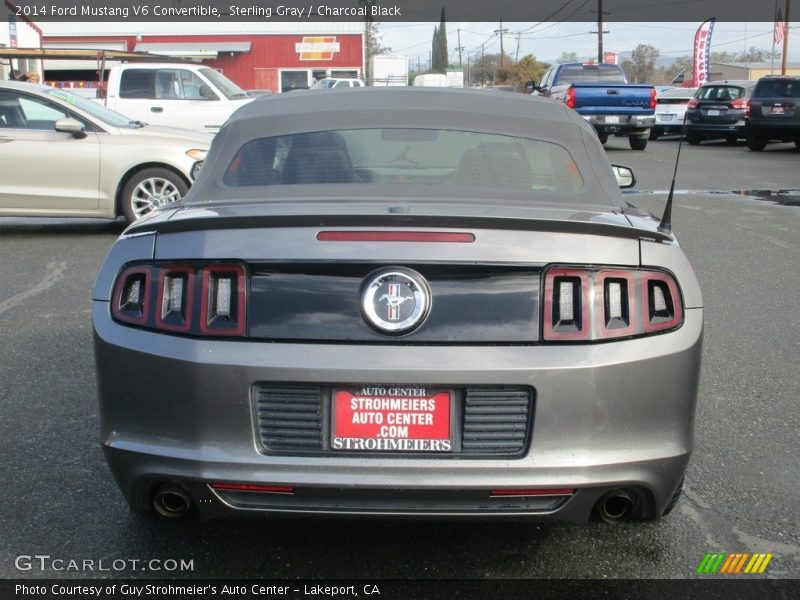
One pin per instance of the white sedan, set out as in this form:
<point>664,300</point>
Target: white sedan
<point>670,109</point>
<point>66,156</point>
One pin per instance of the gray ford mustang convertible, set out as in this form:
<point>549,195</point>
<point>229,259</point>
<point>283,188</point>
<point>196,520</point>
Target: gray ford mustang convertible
<point>400,302</point>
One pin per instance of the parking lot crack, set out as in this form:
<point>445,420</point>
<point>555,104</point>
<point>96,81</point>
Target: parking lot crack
<point>55,271</point>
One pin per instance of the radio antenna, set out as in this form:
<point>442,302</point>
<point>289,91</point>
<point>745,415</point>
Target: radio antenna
<point>665,226</point>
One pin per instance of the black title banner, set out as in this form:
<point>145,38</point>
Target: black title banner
<point>388,10</point>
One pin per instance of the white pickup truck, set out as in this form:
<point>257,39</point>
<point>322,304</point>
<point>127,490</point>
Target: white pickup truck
<point>188,96</point>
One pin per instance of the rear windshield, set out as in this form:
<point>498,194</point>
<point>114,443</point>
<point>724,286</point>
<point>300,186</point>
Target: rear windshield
<point>590,74</point>
<point>723,93</point>
<point>780,88</point>
<point>393,157</point>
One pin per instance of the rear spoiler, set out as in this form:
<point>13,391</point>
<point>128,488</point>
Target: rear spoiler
<point>398,220</point>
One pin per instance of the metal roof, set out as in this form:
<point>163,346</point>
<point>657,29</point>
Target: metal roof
<point>192,49</point>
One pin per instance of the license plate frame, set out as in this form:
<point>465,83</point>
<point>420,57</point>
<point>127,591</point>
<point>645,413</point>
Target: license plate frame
<point>713,112</point>
<point>778,110</point>
<point>419,427</point>
<point>612,120</point>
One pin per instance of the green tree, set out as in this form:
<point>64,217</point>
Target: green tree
<point>644,59</point>
<point>439,52</point>
<point>721,57</point>
<point>757,55</point>
<point>527,69</point>
<point>568,57</point>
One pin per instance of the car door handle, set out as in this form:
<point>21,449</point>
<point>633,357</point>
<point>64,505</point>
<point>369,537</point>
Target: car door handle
<point>3,140</point>
<point>156,109</point>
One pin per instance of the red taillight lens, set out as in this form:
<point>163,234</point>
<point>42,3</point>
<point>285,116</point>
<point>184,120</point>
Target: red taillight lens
<point>591,304</point>
<point>740,104</point>
<point>164,297</point>
<point>571,97</point>
<point>653,98</point>
<point>693,103</point>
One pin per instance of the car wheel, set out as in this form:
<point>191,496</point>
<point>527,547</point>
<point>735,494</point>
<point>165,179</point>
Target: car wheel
<point>693,139</point>
<point>756,143</point>
<point>731,139</point>
<point>637,143</point>
<point>150,189</point>
<point>653,135</point>
<point>603,137</point>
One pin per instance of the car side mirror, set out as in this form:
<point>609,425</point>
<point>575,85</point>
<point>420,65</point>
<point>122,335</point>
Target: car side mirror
<point>624,176</point>
<point>71,126</point>
<point>531,86</point>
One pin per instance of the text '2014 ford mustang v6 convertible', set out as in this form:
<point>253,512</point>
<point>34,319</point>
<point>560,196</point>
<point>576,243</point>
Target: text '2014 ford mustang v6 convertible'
<point>400,302</point>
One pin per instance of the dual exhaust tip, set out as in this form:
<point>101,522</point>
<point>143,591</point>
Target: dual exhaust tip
<point>171,501</point>
<point>615,506</point>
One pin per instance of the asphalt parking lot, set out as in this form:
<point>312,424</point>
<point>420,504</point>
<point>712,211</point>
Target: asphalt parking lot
<point>742,492</point>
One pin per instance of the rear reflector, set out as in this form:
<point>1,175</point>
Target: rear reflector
<point>395,236</point>
<point>532,492</point>
<point>252,487</point>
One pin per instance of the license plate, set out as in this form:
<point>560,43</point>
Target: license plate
<point>392,418</point>
<point>666,117</point>
<point>777,110</point>
<point>612,119</point>
<point>713,113</point>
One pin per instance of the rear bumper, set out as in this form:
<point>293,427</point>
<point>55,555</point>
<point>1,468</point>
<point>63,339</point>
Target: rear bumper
<point>607,416</point>
<point>718,130</point>
<point>621,123</point>
<point>783,131</point>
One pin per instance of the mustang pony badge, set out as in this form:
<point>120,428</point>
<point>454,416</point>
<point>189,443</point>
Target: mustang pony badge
<point>395,301</point>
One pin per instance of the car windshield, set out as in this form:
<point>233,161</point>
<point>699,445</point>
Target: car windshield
<point>591,74</point>
<point>324,84</point>
<point>224,85</point>
<point>720,93</point>
<point>686,93</point>
<point>98,111</point>
<point>396,157</point>
<point>778,88</point>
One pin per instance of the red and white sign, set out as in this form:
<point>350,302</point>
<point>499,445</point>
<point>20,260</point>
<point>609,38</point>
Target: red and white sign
<point>702,49</point>
<point>610,58</point>
<point>317,48</point>
<point>399,419</point>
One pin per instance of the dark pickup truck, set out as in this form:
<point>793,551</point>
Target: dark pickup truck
<point>601,94</point>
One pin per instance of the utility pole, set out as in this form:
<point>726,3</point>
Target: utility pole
<point>785,38</point>
<point>483,66</point>
<point>500,32</point>
<point>460,49</point>
<point>600,31</point>
<point>516,54</point>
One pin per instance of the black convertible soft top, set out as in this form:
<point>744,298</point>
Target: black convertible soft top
<point>481,111</point>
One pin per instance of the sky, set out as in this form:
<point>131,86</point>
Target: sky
<point>547,41</point>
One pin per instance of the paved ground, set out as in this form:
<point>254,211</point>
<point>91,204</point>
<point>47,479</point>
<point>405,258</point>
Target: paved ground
<point>743,484</point>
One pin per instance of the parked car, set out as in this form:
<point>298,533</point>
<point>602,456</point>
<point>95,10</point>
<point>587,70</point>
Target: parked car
<point>774,112</point>
<point>182,95</point>
<point>718,110</point>
<point>400,301</point>
<point>601,94</point>
<point>328,83</point>
<point>67,156</point>
<point>670,110</point>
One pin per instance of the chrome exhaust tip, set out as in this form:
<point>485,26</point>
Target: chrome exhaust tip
<point>171,501</point>
<point>615,506</point>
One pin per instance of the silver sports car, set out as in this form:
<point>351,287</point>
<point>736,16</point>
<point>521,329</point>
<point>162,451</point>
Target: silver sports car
<point>400,302</point>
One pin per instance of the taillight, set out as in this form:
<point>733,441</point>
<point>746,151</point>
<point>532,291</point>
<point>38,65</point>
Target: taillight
<point>740,104</point>
<point>195,299</point>
<point>652,98</point>
<point>590,304</point>
<point>571,97</point>
<point>693,103</point>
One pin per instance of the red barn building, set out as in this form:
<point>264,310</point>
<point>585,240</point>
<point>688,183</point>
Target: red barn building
<point>272,56</point>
